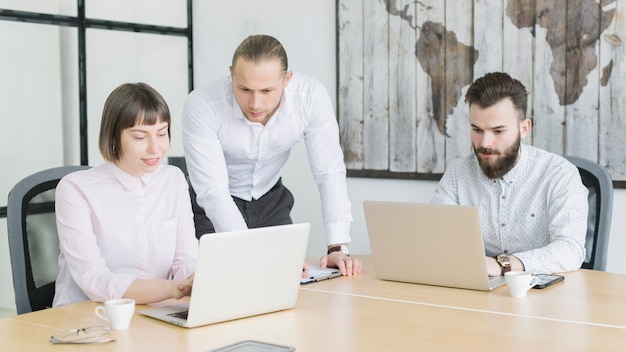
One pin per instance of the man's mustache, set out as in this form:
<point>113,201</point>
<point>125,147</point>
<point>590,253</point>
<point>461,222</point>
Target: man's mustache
<point>487,151</point>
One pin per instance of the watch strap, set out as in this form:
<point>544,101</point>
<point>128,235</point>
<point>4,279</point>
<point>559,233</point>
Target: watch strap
<point>334,249</point>
<point>342,248</point>
<point>505,268</point>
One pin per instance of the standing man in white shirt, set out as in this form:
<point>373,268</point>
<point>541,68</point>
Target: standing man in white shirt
<point>237,135</point>
<point>532,203</point>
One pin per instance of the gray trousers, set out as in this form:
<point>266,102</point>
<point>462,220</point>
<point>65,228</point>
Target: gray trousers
<point>273,208</point>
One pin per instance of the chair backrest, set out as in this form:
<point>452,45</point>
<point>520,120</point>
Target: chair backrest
<point>600,186</point>
<point>180,162</point>
<point>33,239</point>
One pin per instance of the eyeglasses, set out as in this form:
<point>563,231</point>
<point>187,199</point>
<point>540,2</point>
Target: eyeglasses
<point>92,334</point>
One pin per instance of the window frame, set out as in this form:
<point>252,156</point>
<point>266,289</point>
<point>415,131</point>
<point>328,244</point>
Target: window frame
<point>82,23</point>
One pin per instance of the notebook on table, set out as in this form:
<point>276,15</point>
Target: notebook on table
<point>430,244</point>
<point>241,274</point>
<point>317,273</point>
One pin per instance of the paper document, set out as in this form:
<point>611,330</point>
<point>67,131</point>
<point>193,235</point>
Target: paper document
<point>318,274</point>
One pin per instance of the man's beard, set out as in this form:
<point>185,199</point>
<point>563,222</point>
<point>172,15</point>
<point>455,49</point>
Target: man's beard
<point>498,167</point>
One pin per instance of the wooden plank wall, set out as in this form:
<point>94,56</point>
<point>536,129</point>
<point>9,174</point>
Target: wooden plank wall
<point>405,65</point>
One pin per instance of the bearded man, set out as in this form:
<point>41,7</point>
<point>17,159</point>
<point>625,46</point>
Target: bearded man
<point>532,203</point>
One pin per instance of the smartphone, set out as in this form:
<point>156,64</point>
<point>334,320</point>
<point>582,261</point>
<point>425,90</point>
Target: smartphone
<point>546,280</point>
<point>254,346</point>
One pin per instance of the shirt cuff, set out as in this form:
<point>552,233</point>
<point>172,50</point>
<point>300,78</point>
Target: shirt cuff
<point>338,233</point>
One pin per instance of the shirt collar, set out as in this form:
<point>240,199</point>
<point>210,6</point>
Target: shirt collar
<point>518,170</point>
<point>283,110</point>
<point>127,181</point>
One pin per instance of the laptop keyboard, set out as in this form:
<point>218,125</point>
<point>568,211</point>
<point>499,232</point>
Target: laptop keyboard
<point>180,315</point>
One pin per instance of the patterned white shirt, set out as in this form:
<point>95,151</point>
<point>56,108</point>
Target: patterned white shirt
<point>536,212</point>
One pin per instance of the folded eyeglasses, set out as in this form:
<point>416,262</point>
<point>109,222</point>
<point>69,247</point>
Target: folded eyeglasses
<point>92,334</point>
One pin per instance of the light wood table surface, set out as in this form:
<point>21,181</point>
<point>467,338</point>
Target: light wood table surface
<point>587,312</point>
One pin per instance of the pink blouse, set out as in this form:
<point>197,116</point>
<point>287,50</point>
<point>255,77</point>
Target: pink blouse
<point>115,228</point>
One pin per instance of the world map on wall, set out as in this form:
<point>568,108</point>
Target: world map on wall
<point>573,50</point>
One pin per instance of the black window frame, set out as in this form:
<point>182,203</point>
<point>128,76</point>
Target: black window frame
<point>82,23</point>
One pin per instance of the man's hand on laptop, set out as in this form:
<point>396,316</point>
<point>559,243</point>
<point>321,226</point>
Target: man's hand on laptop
<point>337,259</point>
<point>493,268</point>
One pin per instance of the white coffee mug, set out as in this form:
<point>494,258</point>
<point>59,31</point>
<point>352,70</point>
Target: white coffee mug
<point>519,282</point>
<point>118,312</point>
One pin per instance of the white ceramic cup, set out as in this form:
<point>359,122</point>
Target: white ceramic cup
<point>118,312</point>
<point>519,282</point>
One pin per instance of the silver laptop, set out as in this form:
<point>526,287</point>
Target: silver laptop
<point>430,244</point>
<point>241,274</point>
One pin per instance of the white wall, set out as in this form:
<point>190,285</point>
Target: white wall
<point>307,30</point>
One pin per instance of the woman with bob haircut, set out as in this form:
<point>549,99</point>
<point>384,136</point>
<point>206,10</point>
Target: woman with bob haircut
<point>126,227</point>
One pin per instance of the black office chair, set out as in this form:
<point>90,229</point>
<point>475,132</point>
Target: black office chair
<point>178,161</point>
<point>33,239</point>
<point>600,186</point>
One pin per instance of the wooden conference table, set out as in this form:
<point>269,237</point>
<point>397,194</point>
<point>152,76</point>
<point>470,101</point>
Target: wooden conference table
<point>586,312</point>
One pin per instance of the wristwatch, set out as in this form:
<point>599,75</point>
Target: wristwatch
<point>340,248</point>
<point>505,263</point>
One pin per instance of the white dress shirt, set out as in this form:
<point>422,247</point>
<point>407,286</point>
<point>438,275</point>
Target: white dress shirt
<point>536,212</point>
<point>115,228</point>
<point>227,154</point>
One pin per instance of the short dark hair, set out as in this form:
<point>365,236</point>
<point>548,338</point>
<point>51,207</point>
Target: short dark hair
<point>129,105</point>
<point>257,48</point>
<point>496,86</point>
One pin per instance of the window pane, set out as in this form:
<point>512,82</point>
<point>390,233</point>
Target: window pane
<point>172,13</point>
<point>58,7</point>
<point>31,137</point>
<point>120,57</point>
